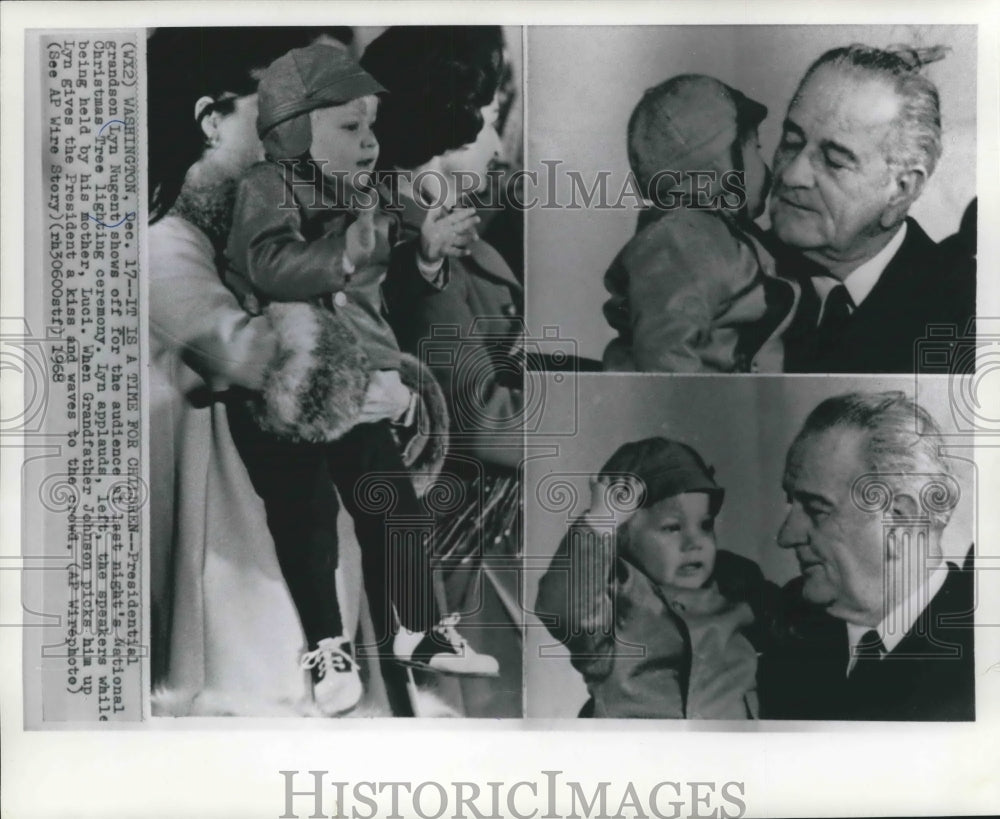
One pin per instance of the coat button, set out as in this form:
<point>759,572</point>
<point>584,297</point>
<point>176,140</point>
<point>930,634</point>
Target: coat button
<point>340,298</point>
<point>678,605</point>
<point>509,310</point>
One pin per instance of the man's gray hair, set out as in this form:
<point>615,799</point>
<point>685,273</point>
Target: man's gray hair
<point>918,124</point>
<point>903,442</point>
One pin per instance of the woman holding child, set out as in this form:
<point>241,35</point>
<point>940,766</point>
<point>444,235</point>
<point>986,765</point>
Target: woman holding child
<point>223,620</point>
<point>225,633</point>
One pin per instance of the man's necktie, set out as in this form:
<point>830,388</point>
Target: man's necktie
<point>870,645</point>
<point>868,649</point>
<point>836,314</point>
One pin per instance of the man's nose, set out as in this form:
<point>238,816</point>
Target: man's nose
<point>796,172</point>
<point>370,141</point>
<point>790,534</point>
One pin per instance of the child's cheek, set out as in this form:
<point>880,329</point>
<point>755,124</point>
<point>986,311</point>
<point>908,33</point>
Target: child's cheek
<point>334,180</point>
<point>658,554</point>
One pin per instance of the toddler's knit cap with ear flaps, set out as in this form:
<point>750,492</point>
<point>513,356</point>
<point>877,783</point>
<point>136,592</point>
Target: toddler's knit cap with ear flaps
<point>687,123</point>
<point>666,468</point>
<point>301,81</point>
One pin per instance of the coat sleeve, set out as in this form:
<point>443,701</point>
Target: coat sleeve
<point>678,270</point>
<point>437,325</point>
<point>192,311</point>
<point>405,278</point>
<point>575,598</point>
<point>740,578</point>
<point>669,326</point>
<point>267,246</point>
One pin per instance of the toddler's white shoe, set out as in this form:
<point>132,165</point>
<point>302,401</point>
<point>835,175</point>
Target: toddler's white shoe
<point>336,681</point>
<point>442,650</point>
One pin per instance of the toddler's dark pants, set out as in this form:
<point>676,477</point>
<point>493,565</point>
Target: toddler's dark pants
<point>296,482</point>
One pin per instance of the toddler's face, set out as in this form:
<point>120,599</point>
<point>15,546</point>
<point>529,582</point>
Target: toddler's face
<point>342,138</point>
<point>673,540</point>
<point>758,176</point>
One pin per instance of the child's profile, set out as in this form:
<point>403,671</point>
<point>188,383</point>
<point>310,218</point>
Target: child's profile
<point>695,289</point>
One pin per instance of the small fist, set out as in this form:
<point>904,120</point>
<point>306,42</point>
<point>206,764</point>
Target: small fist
<point>614,499</point>
<point>387,397</point>
<point>448,233</point>
<point>362,235</point>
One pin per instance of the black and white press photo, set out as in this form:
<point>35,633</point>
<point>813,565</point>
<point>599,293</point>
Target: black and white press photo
<point>500,409</point>
<point>335,498</point>
<point>755,199</point>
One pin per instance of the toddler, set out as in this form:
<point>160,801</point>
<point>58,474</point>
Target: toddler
<point>307,228</point>
<point>668,626</point>
<point>695,290</point>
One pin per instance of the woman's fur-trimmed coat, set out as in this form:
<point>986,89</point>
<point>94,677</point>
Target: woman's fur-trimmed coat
<point>224,628</point>
<point>314,388</point>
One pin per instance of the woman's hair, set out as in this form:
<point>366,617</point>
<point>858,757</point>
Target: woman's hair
<point>185,64</point>
<point>438,78</point>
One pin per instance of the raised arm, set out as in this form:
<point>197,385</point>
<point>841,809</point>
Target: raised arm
<point>575,597</point>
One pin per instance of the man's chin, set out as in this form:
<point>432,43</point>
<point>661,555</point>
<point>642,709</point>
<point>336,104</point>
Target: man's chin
<point>817,591</point>
<point>794,227</point>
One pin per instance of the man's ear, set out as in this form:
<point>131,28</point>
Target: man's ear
<point>209,124</point>
<point>908,184</point>
<point>904,508</point>
<point>905,505</point>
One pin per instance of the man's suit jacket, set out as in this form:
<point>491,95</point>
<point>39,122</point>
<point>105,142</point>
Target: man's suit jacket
<point>929,676</point>
<point>923,285</point>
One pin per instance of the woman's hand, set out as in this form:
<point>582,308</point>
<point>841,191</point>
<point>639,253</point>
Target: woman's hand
<point>447,233</point>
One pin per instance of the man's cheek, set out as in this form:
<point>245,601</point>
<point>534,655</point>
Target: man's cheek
<point>797,227</point>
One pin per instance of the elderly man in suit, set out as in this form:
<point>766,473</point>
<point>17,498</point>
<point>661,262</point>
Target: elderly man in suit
<point>879,625</point>
<point>860,140</point>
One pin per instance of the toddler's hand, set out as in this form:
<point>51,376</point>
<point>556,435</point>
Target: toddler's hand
<point>387,397</point>
<point>614,499</point>
<point>447,233</point>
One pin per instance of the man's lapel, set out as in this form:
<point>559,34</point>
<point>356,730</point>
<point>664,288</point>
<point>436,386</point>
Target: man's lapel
<point>942,628</point>
<point>899,281</point>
